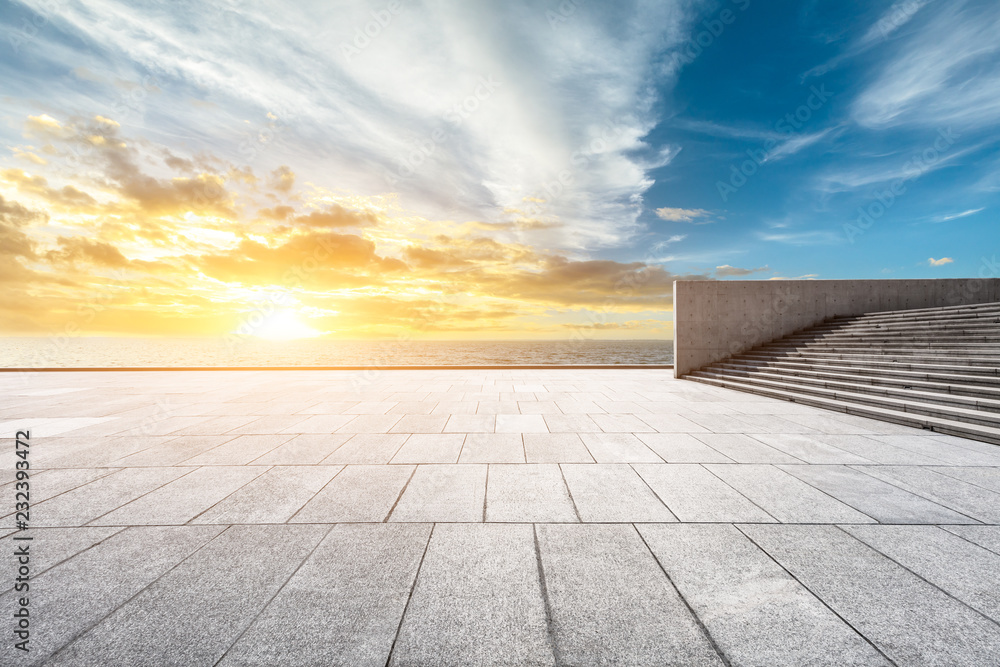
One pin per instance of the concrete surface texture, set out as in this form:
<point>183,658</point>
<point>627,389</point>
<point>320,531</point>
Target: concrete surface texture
<point>491,517</point>
<point>714,319</point>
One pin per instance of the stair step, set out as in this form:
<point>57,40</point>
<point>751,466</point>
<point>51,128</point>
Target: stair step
<point>938,309</point>
<point>949,377</point>
<point>936,424</point>
<point>851,384</point>
<point>781,347</point>
<point>984,309</point>
<point>931,365</point>
<point>874,379</point>
<point>918,407</point>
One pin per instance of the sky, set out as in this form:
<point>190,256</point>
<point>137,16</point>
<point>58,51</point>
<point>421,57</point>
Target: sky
<point>493,170</point>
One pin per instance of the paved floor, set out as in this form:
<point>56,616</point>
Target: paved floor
<point>513,517</point>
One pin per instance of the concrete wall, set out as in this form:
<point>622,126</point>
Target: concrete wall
<point>714,319</point>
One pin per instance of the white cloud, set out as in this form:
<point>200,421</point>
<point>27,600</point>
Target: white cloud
<point>692,215</point>
<point>956,216</point>
<point>727,271</point>
<point>894,18</point>
<point>815,237</point>
<point>946,73</point>
<point>574,99</point>
<point>939,262</point>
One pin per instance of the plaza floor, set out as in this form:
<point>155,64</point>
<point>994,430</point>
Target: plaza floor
<point>487,517</point>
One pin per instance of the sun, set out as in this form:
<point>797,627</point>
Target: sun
<point>284,325</point>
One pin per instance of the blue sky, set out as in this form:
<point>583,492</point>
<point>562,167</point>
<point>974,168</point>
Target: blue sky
<point>726,139</point>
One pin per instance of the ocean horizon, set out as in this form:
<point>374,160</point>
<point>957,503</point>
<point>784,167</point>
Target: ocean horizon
<point>233,351</point>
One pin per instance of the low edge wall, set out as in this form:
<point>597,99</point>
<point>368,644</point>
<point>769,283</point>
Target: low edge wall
<point>714,319</point>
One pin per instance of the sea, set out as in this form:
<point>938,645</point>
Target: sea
<point>97,352</point>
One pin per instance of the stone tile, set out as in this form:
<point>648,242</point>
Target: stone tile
<point>987,537</point>
<point>347,600</point>
<point>528,493</point>
<point>575,423</point>
<point>692,493</point>
<point>785,497</point>
<point>911,621</point>
<point>370,424</point>
<point>612,493</point>
<point>508,423</point>
<point>420,424</point>
<point>538,407</point>
<point>358,493</point>
<point>555,448</point>
<point>275,423</point>
<point>69,599</point>
<point>455,408</point>
<point>809,449</point>
<point>611,603</point>
<point>51,546</point>
<point>820,421</point>
<point>85,503</point>
<point>216,425</point>
<point>618,448</point>
<point>942,450</point>
<point>744,449</point>
<point>986,478</point>
<point>621,424</point>
<point>271,498</point>
<point>430,448</point>
<point>174,450</point>
<point>370,408</point>
<point>368,448</point>
<point>413,408</point>
<point>229,582</point>
<point>882,501</point>
<point>492,448</point>
<point>874,450</point>
<point>477,600</point>
<point>183,499</point>
<point>239,451</point>
<point>497,408</point>
<point>321,423</point>
<point>578,407</point>
<point>972,501</point>
<point>443,493</point>
<point>755,611</point>
<point>946,560</point>
<point>471,424</point>
<point>303,449</point>
<point>681,448</point>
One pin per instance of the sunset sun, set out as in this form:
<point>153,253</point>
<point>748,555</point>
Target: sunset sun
<point>285,325</point>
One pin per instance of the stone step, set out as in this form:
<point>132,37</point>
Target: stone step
<point>866,369</point>
<point>958,369</point>
<point>944,318</point>
<point>876,379</point>
<point>938,309</point>
<point>984,365</point>
<point>851,384</point>
<point>926,312</point>
<point>937,424</point>
<point>965,337</point>
<point>971,352</point>
<point>937,410</point>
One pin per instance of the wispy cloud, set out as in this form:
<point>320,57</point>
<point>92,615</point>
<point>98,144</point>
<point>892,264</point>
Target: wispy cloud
<point>956,216</point>
<point>894,18</point>
<point>696,216</point>
<point>939,262</point>
<point>727,271</point>
<point>945,73</point>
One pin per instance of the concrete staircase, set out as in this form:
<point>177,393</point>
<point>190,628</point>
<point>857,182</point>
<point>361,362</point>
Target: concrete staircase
<point>932,368</point>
